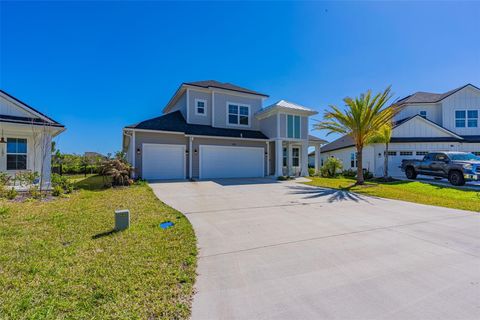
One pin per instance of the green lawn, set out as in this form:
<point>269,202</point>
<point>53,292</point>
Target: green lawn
<point>59,260</point>
<point>413,191</point>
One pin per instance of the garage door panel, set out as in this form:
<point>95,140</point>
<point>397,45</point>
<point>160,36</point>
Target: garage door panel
<point>163,161</point>
<point>231,162</point>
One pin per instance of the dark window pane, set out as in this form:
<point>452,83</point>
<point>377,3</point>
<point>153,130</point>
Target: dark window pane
<point>200,110</point>
<point>16,162</point>
<point>244,111</point>
<point>473,114</point>
<point>472,123</point>
<point>460,114</point>
<point>297,127</point>
<point>21,145</point>
<point>244,120</point>
<point>11,145</point>
<point>21,162</point>
<point>232,108</point>
<point>295,162</point>
<point>460,123</point>
<point>233,119</point>
<point>290,126</point>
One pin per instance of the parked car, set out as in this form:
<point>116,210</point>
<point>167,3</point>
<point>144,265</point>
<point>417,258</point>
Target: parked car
<point>457,167</point>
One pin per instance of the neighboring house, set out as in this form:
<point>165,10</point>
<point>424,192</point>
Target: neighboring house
<point>26,138</point>
<point>428,122</point>
<point>212,130</point>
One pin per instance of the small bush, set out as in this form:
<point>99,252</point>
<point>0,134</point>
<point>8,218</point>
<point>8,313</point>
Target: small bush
<point>311,172</point>
<point>4,178</point>
<point>349,173</point>
<point>118,170</point>
<point>26,178</point>
<point>367,175</point>
<point>57,191</point>
<point>11,194</point>
<point>331,167</point>
<point>34,192</point>
<point>61,182</point>
<point>284,178</point>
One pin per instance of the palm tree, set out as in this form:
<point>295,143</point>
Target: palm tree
<point>362,119</point>
<point>384,135</point>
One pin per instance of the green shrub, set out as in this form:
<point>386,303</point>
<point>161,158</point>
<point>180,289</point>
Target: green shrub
<point>34,192</point>
<point>311,172</point>
<point>61,182</point>
<point>4,178</point>
<point>367,175</point>
<point>26,178</point>
<point>11,194</point>
<point>331,167</point>
<point>3,211</point>
<point>349,173</point>
<point>284,178</point>
<point>118,170</point>
<point>57,191</point>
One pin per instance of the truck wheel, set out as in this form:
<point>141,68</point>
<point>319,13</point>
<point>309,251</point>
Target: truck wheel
<point>456,178</point>
<point>410,173</point>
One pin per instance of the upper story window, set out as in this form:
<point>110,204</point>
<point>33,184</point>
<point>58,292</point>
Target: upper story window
<point>423,114</point>
<point>293,126</point>
<point>16,154</point>
<point>466,118</point>
<point>238,114</point>
<point>200,107</point>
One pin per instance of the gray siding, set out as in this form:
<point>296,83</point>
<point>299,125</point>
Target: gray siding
<point>220,107</point>
<point>221,142</point>
<point>304,127</point>
<point>156,137</point>
<point>181,105</point>
<point>283,125</point>
<point>199,119</point>
<point>269,126</point>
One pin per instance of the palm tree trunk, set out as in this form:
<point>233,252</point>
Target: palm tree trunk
<point>385,165</point>
<point>360,179</point>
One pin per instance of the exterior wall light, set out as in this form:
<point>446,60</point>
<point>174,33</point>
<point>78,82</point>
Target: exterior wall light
<point>138,151</point>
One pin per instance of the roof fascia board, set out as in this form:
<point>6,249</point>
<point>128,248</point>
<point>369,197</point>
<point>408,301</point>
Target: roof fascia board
<point>224,137</point>
<point>152,130</point>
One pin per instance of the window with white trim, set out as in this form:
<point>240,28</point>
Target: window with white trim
<point>423,114</point>
<point>238,114</point>
<point>293,126</point>
<point>392,153</point>
<point>421,153</point>
<point>295,157</point>
<point>466,118</point>
<point>406,153</point>
<point>353,160</point>
<point>200,107</point>
<point>16,154</point>
<point>284,157</point>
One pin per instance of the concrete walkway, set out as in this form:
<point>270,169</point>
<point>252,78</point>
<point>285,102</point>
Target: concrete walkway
<point>283,250</point>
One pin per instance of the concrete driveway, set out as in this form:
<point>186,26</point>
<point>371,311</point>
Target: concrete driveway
<point>283,250</point>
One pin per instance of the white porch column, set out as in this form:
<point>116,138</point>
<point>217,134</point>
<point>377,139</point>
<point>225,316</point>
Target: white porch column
<point>268,158</point>
<point>304,159</point>
<point>134,155</point>
<point>289,159</point>
<point>317,158</point>
<point>278,158</point>
<point>190,157</point>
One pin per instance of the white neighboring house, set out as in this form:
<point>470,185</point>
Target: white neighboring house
<point>428,122</point>
<point>25,138</point>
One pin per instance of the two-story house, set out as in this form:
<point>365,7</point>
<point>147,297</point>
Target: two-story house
<point>427,122</point>
<point>213,130</point>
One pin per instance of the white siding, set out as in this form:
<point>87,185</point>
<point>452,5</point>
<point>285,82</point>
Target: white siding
<point>465,99</point>
<point>11,109</point>
<point>345,156</point>
<point>434,112</point>
<point>418,128</point>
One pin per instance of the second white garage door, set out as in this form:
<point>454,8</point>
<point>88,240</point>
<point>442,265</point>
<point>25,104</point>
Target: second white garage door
<point>231,162</point>
<point>163,161</point>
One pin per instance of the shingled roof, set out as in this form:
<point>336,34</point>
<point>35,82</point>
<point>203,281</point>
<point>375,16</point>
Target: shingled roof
<point>223,85</point>
<point>427,97</point>
<point>175,122</point>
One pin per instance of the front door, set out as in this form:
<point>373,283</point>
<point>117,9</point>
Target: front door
<point>296,161</point>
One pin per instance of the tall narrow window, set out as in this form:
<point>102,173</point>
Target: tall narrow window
<point>284,157</point>
<point>293,126</point>
<point>238,114</point>
<point>352,160</point>
<point>423,114</point>
<point>295,157</point>
<point>16,154</point>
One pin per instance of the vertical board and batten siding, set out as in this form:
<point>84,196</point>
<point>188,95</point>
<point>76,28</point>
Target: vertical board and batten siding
<point>418,128</point>
<point>221,100</point>
<point>465,99</point>
<point>200,119</point>
<point>181,105</point>
<point>11,109</point>
<point>197,142</point>
<point>159,138</point>
<point>434,112</point>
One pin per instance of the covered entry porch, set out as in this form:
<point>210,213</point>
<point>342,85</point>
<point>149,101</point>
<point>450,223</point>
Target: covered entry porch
<point>290,156</point>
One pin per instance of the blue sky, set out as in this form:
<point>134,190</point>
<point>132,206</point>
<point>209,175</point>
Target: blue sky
<point>98,66</point>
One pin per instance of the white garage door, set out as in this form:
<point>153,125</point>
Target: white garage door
<point>231,162</point>
<point>163,161</point>
<point>395,161</point>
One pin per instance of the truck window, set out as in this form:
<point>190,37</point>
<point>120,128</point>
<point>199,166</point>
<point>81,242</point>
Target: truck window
<point>441,157</point>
